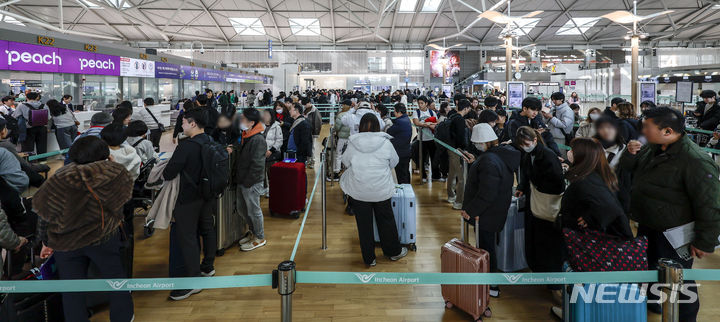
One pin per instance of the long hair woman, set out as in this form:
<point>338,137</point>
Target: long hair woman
<point>370,159</point>
<point>65,123</point>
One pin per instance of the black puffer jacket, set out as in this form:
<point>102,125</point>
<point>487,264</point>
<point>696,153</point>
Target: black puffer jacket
<point>591,199</point>
<point>545,172</point>
<point>488,192</point>
<point>516,121</point>
<point>710,116</point>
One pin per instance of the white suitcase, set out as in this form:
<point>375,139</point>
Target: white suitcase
<point>404,207</point>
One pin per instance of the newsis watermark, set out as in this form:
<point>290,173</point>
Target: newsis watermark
<point>633,293</point>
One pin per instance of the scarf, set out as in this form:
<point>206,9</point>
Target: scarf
<point>258,128</point>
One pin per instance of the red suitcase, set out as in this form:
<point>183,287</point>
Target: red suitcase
<point>288,188</point>
<point>458,256</point>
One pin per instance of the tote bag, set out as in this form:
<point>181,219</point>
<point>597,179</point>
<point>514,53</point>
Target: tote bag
<point>544,205</point>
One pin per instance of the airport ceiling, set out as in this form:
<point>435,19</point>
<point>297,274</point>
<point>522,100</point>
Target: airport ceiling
<point>390,23</point>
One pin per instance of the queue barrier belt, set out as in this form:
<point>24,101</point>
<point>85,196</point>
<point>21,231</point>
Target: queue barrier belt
<point>359,278</point>
<point>449,148</point>
<point>47,155</point>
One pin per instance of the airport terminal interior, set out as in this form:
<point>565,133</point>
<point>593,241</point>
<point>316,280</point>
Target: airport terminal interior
<point>359,160</point>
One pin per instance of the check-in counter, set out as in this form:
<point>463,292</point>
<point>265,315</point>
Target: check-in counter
<point>161,111</point>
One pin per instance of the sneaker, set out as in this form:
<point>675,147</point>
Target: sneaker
<point>329,179</point>
<point>451,200</point>
<point>248,237</point>
<point>252,245</point>
<point>336,178</point>
<point>310,166</point>
<point>178,295</point>
<point>403,253</point>
<point>557,312</point>
<point>494,291</point>
<point>424,180</point>
<point>442,179</point>
<point>557,296</point>
<point>373,264</point>
<point>208,274</point>
<point>457,206</point>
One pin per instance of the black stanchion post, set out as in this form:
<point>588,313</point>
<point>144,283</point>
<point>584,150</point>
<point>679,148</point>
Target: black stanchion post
<point>420,165</point>
<point>283,279</point>
<point>671,279</point>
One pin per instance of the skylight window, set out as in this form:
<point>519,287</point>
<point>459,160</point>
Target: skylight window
<point>431,5</point>
<point>124,4</point>
<point>523,25</point>
<point>248,26</point>
<point>11,20</point>
<point>305,26</point>
<point>583,24</point>
<point>408,5</point>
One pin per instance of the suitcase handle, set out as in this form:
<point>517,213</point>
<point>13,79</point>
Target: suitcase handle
<point>464,229</point>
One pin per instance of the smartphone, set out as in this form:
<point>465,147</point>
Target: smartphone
<point>546,110</point>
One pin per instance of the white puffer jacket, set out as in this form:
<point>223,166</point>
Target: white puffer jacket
<point>370,159</point>
<point>274,137</point>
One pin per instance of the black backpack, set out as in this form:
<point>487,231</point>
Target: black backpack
<point>12,126</point>
<point>443,133</point>
<point>215,175</point>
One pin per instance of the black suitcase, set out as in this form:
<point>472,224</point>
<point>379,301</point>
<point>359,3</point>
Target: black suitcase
<point>30,307</point>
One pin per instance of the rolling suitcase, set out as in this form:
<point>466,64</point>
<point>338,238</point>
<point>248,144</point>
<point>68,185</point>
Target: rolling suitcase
<point>288,188</point>
<point>31,307</point>
<point>404,208</point>
<point>510,248</point>
<point>230,224</point>
<point>622,302</point>
<point>458,256</point>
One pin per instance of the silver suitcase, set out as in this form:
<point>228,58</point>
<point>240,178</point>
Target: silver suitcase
<point>230,225</point>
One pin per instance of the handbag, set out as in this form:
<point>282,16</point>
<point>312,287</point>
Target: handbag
<point>593,251</point>
<point>544,205</point>
<point>161,127</point>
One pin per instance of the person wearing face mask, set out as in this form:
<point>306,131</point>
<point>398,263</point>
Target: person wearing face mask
<point>614,145</point>
<point>299,143</point>
<point>587,128</point>
<point>541,172</point>
<point>488,190</point>
<point>530,116</point>
<point>708,111</point>
<point>249,168</point>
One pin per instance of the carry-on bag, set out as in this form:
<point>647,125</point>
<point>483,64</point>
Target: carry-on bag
<point>32,307</point>
<point>288,188</point>
<point>621,302</point>
<point>510,247</point>
<point>230,224</point>
<point>457,256</point>
<point>404,206</point>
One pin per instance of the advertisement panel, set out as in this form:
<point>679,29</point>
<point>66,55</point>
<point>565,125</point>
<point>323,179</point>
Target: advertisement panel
<point>234,78</point>
<point>515,94</point>
<point>80,62</point>
<point>167,70</point>
<point>136,67</point>
<point>189,72</point>
<point>448,61</point>
<point>3,50</point>
<point>212,75</point>
<point>32,58</point>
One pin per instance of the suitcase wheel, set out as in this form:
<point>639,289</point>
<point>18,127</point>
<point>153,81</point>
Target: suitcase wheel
<point>295,214</point>
<point>148,229</point>
<point>220,252</point>
<point>448,305</point>
<point>412,247</point>
<point>487,313</point>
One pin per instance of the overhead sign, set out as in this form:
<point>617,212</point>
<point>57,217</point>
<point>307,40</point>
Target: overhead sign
<point>35,58</point>
<point>136,67</point>
<point>212,75</point>
<point>166,70</point>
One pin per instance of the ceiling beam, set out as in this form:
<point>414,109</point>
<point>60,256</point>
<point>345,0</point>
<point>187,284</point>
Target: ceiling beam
<point>332,19</point>
<point>202,4</point>
<point>434,22</point>
<point>412,21</point>
<point>272,17</point>
<point>175,13</point>
<point>392,24</point>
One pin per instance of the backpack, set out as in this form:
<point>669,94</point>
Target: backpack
<point>37,116</point>
<point>12,126</point>
<point>443,133</point>
<point>215,175</point>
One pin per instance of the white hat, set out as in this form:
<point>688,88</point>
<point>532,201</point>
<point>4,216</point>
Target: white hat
<point>482,133</point>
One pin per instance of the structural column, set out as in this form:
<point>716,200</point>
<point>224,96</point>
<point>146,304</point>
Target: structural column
<point>508,58</point>
<point>635,43</point>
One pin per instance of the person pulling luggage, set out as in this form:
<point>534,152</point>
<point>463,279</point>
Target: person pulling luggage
<point>370,159</point>
<point>488,189</point>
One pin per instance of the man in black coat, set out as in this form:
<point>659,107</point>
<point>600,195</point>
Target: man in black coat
<point>530,116</point>
<point>708,111</point>
<point>300,138</point>
<point>458,140</point>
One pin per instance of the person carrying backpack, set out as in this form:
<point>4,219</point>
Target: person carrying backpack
<point>187,162</point>
<point>33,126</point>
<point>458,136</point>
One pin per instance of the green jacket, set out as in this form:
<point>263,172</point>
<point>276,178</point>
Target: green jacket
<point>343,131</point>
<point>676,187</point>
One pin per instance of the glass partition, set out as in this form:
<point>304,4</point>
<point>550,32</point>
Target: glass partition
<point>189,88</point>
<point>168,89</point>
<point>151,88</point>
<point>101,92</point>
<point>131,89</point>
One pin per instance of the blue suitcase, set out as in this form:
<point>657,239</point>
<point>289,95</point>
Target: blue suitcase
<point>404,207</point>
<point>624,302</point>
<point>510,247</point>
